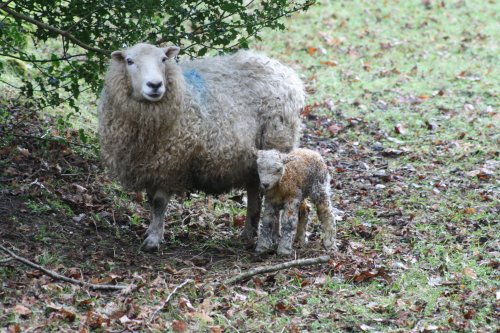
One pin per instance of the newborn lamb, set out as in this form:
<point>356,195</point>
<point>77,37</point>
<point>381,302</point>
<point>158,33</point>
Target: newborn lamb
<point>288,179</point>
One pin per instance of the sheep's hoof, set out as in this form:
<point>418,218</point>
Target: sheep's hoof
<point>263,249</point>
<point>282,252</point>
<point>151,243</point>
<point>248,234</point>
<point>302,242</point>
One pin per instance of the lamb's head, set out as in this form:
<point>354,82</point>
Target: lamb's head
<point>270,165</point>
<point>145,65</point>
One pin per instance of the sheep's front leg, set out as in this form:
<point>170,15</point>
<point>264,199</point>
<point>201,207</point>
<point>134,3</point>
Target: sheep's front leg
<point>289,221</point>
<point>267,225</point>
<point>254,205</point>
<point>154,234</point>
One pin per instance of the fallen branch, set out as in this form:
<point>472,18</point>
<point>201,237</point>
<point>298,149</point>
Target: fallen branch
<point>56,276</point>
<point>168,298</point>
<point>273,268</point>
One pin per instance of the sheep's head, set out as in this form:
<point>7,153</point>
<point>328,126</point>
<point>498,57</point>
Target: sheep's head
<point>270,164</point>
<point>145,65</point>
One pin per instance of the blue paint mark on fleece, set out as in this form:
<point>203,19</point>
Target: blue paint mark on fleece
<point>195,80</point>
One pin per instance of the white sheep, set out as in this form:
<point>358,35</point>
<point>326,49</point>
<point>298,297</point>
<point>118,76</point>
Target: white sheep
<point>288,180</point>
<point>169,127</point>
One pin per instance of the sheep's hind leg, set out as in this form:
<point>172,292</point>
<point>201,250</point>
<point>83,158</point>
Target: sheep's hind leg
<point>154,234</point>
<point>254,205</point>
<point>289,220</point>
<point>266,228</point>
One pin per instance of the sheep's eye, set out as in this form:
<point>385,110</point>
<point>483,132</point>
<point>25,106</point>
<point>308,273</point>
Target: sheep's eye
<point>164,59</point>
<point>130,61</point>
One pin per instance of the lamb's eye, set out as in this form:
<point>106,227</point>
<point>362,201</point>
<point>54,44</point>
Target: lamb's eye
<point>130,61</point>
<point>164,59</point>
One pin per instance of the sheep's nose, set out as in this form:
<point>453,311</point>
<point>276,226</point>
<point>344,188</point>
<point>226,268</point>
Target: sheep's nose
<point>154,85</point>
<point>265,186</point>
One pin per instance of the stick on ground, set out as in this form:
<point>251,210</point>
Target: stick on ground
<point>273,268</point>
<point>56,276</point>
<point>168,298</point>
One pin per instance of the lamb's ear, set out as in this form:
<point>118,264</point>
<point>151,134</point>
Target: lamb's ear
<point>287,158</point>
<point>171,51</point>
<point>118,55</point>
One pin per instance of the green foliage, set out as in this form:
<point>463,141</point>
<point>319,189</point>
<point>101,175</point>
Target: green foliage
<point>67,43</point>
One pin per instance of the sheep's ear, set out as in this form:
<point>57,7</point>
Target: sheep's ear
<point>171,51</point>
<point>118,55</point>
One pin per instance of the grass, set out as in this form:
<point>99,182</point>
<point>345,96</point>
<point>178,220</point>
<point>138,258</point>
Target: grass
<point>431,71</point>
<point>422,80</point>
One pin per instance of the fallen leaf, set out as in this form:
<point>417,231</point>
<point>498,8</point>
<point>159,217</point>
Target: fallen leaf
<point>469,210</point>
<point>185,304</point>
<point>329,63</point>
<point>366,328</point>
<point>94,320</point>
<point>312,50</point>
<point>399,129</point>
<point>482,173</point>
<point>215,329</point>
<point>14,328</point>
<point>434,281</point>
<point>284,308</point>
<point>430,126</point>
<point>368,275</point>
<point>469,314</point>
<point>63,314</point>
<point>25,152</point>
<point>202,316</point>
<point>239,221</point>
<point>179,326</point>
<point>334,129</point>
<point>469,272</point>
<point>21,310</point>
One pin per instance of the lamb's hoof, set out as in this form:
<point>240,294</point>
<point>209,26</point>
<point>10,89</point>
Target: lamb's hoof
<point>151,243</point>
<point>329,244</point>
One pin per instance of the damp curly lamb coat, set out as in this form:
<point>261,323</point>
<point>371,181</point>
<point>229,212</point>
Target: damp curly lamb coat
<point>289,179</point>
<point>169,127</point>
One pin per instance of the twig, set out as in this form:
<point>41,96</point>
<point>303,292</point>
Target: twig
<point>5,4</point>
<point>61,277</point>
<point>168,298</point>
<point>41,60</point>
<point>53,139</point>
<point>45,26</point>
<point>273,268</point>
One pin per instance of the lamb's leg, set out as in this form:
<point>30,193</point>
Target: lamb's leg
<point>155,231</point>
<point>266,228</point>
<point>304,217</point>
<point>289,220</point>
<point>326,217</point>
<point>254,205</point>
